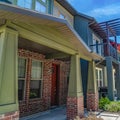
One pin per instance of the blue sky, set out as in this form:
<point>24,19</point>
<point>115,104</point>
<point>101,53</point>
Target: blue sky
<point>102,10</point>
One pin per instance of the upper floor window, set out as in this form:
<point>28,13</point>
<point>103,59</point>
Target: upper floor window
<point>61,16</point>
<point>25,3</point>
<point>38,5</point>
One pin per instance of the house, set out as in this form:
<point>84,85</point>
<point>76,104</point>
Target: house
<point>96,36</point>
<point>42,59</point>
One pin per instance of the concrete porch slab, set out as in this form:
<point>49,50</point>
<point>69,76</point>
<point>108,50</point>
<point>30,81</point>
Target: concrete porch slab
<point>53,114</point>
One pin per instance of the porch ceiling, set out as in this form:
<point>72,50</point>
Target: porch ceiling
<point>17,14</point>
<point>33,46</point>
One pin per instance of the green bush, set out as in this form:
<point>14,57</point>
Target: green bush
<point>112,107</point>
<point>103,101</point>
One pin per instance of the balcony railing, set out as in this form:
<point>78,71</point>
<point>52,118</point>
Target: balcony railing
<point>104,50</point>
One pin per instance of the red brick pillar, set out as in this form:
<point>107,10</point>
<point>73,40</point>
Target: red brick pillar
<point>75,94</point>
<point>92,90</point>
<point>10,116</point>
<point>74,107</point>
<point>92,101</point>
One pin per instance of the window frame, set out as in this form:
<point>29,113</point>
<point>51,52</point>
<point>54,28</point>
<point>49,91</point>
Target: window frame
<point>33,5</point>
<point>24,93</point>
<point>41,79</point>
<point>98,77</point>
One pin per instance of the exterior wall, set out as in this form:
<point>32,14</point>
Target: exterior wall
<point>58,9</point>
<point>82,28</point>
<point>30,106</point>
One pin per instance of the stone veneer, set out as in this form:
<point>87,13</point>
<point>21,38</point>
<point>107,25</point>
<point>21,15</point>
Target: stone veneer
<point>75,107</point>
<point>10,116</point>
<point>92,101</point>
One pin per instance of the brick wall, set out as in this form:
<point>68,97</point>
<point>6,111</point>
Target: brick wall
<point>30,106</point>
<point>75,107</point>
<point>92,101</point>
<point>10,116</point>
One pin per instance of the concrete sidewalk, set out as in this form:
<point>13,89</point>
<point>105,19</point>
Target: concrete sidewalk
<point>53,114</point>
<point>60,114</point>
<point>108,116</point>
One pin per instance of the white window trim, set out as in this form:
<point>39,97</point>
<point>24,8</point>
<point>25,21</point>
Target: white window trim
<point>98,79</point>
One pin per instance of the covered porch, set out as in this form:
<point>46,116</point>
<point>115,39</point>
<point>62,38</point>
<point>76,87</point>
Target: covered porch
<point>56,49</point>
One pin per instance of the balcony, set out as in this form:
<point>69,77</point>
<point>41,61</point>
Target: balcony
<point>105,50</point>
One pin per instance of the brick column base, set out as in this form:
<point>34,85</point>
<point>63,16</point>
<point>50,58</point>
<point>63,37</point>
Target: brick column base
<point>75,107</point>
<point>10,116</point>
<point>92,101</point>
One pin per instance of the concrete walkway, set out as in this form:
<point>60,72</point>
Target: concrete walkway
<point>109,116</point>
<point>53,114</point>
<point>60,114</point>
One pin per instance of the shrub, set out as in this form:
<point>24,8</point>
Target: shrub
<point>103,101</point>
<point>112,107</point>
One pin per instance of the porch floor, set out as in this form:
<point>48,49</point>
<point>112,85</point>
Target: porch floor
<point>52,114</point>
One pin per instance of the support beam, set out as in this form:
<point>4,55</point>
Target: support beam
<point>117,81</point>
<point>110,78</point>
<point>92,90</point>
<point>8,72</point>
<point>75,93</point>
<point>56,55</point>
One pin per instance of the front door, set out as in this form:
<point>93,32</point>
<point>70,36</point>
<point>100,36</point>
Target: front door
<point>54,88</point>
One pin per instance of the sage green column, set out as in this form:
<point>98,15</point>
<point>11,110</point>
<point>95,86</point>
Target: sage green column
<point>75,81</point>
<point>8,70</point>
<point>92,90</point>
<point>92,83</point>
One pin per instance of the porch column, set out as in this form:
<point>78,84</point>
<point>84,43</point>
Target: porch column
<point>92,90</point>
<point>8,74</point>
<point>75,93</point>
<point>110,78</point>
<point>117,81</point>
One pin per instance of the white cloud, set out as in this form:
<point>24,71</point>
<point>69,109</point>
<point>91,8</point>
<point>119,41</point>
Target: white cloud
<point>106,11</point>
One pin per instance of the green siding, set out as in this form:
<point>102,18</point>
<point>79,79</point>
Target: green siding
<point>8,70</point>
<point>75,82</point>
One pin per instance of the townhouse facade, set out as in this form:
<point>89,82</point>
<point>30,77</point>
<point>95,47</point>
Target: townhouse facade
<point>46,60</point>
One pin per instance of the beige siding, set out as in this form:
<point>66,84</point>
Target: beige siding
<point>58,9</point>
<point>95,37</point>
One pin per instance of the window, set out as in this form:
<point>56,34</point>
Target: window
<point>99,77</point>
<point>21,77</point>
<point>62,16</point>
<point>97,47</point>
<point>36,79</point>
<point>44,1</point>
<point>25,3</point>
<point>40,7</point>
